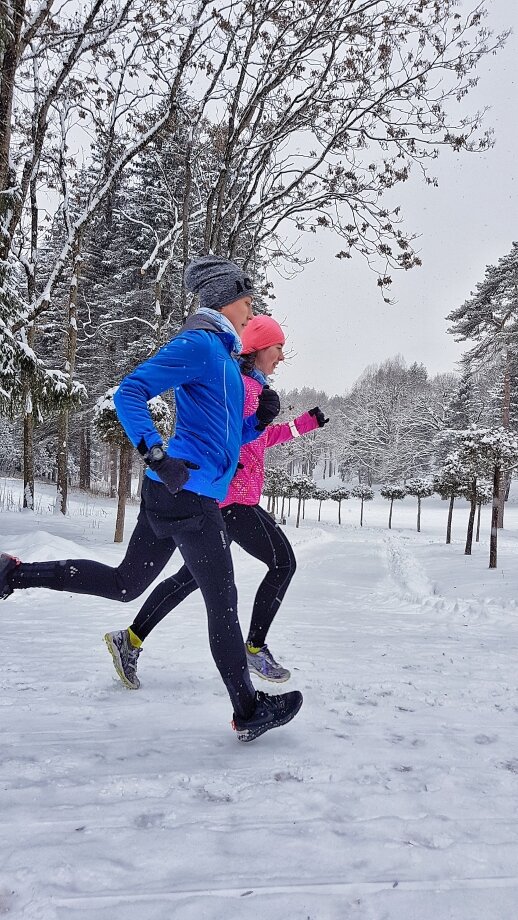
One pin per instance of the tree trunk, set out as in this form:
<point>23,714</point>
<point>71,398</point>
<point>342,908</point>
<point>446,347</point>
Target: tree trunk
<point>70,363</point>
<point>340,512</point>
<point>28,408</point>
<point>493,540</point>
<point>62,463</point>
<point>319,510</point>
<point>418,514</point>
<point>506,416</point>
<point>85,470</point>
<point>298,511</point>
<point>113,470</point>
<point>477,535</point>
<point>11,24</point>
<point>471,519</point>
<point>28,460</point>
<point>361,512</point>
<point>124,465</point>
<point>390,513</point>
<point>450,516</point>
<point>129,475</point>
<point>505,485</point>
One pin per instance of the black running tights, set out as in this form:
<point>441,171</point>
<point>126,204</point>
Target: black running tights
<point>195,526</point>
<point>252,528</point>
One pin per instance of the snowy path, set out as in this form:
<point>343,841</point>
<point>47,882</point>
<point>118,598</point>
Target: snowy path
<point>392,796</point>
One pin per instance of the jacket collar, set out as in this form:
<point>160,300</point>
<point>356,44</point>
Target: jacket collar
<point>213,321</point>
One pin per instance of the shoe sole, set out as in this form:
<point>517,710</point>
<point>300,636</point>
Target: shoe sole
<point>117,663</point>
<point>252,734</point>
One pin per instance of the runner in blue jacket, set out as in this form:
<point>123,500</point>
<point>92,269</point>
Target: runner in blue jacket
<point>183,484</point>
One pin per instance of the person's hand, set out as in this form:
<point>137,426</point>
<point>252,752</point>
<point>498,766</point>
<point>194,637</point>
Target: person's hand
<point>268,408</point>
<point>174,473</point>
<point>319,415</point>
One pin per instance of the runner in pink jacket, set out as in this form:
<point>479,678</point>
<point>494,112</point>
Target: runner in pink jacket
<point>247,485</point>
<point>247,524</point>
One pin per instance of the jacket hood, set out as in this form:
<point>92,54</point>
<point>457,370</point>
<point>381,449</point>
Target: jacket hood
<point>199,321</point>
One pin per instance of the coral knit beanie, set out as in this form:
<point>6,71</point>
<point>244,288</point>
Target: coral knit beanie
<point>261,332</point>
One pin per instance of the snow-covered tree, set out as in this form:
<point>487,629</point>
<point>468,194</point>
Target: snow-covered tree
<point>365,494</point>
<point>486,452</point>
<point>392,492</point>
<point>321,495</point>
<point>302,488</point>
<point>390,419</point>
<point>489,319</point>
<point>109,429</point>
<point>420,488</point>
<point>451,482</point>
<point>339,495</point>
<point>277,485</point>
<point>484,497</point>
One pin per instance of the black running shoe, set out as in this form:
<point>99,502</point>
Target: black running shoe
<point>270,712</point>
<point>7,565</point>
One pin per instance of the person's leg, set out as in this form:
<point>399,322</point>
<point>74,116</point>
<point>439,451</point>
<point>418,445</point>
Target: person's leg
<point>164,598</point>
<point>146,556</point>
<point>204,545</point>
<point>125,645</point>
<point>252,528</point>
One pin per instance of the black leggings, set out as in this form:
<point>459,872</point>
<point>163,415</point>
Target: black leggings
<point>252,528</point>
<point>195,525</point>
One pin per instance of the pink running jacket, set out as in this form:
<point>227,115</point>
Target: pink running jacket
<point>247,484</point>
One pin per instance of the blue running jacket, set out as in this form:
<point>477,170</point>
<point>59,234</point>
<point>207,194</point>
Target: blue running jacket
<point>209,393</point>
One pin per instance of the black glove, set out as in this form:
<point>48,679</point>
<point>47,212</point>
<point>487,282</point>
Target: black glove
<point>319,415</point>
<point>173,472</point>
<point>268,408</point>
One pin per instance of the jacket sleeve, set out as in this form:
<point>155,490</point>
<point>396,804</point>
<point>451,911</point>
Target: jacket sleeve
<point>250,432</point>
<point>180,361</point>
<point>279,434</point>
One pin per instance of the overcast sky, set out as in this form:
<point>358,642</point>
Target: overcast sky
<point>336,321</point>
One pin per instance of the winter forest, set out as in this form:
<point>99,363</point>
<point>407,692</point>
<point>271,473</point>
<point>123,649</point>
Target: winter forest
<point>135,136</point>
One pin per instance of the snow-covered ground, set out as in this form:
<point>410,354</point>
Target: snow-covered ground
<point>391,796</point>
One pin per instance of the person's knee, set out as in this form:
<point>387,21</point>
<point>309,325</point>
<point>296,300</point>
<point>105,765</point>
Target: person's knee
<point>285,567</point>
<point>133,579</point>
<point>130,593</point>
<point>130,589</point>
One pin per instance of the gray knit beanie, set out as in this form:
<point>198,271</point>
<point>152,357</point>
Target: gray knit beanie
<point>217,281</point>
